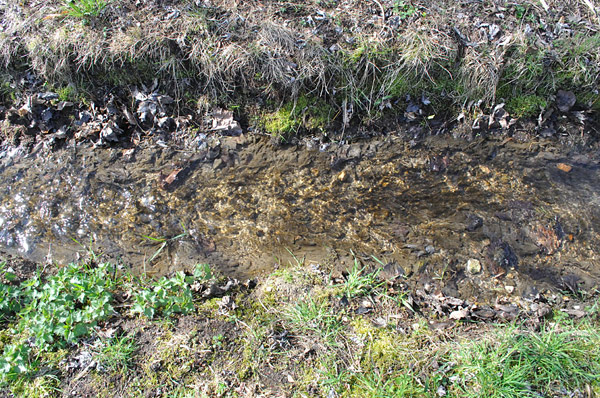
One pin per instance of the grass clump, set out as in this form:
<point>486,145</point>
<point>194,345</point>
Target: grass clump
<point>84,9</point>
<point>310,316</point>
<point>114,354</point>
<point>526,364</point>
<point>375,385</point>
<point>358,282</point>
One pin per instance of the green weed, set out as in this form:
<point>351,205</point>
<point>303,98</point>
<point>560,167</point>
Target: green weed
<point>358,283</point>
<point>114,354</point>
<point>164,242</point>
<point>404,9</point>
<point>68,305</point>
<point>375,385</point>
<point>166,296</point>
<point>54,313</point>
<point>85,9</point>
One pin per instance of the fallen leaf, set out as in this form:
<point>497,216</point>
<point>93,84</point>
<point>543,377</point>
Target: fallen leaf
<point>546,238</point>
<point>564,167</point>
<point>223,121</point>
<point>565,100</point>
<point>459,314</point>
<point>169,179</point>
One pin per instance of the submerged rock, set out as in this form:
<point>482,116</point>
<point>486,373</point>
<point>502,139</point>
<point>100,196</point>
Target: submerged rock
<point>473,266</point>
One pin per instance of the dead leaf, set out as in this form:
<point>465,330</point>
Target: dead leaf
<point>459,314</point>
<point>168,179</point>
<point>564,167</point>
<point>223,121</point>
<point>546,238</point>
<point>129,116</point>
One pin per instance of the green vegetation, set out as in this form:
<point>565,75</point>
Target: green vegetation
<point>114,354</point>
<point>167,296</point>
<point>517,363</point>
<point>358,282</point>
<point>57,312</point>
<point>291,325</point>
<point>404,9</point>
<point>84,9</point>
<point>306,113</point>
<point>526,106</point>
<point>310,316</point>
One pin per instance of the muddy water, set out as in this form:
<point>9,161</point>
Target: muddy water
<point>527,212</point>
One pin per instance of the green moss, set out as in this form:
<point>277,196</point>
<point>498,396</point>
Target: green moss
<point>67,93</point>
<point>308,113</point>
<point>43,386</point>
<point>526,105</point>
<point>7,93</point>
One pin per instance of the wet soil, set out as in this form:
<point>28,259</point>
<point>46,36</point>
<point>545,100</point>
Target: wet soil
<point>527,212</point>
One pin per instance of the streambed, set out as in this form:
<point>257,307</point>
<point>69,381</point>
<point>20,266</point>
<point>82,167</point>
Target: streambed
<point>527,212</point>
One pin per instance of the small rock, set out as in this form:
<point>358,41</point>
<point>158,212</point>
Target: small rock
<point>484,313</point>
<point>509,289</point>
<point>217,164</point>
<point>47,115</point>
<point>48,96</point>
<point>344,301</point>
<point>362,310</point>
<point>367,304</point>
<point>391,271</point>
<point>474,222</point>
<point>64,104</point>
<point>473,266</point>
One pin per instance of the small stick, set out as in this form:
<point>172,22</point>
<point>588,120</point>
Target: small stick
<point>383,9</point>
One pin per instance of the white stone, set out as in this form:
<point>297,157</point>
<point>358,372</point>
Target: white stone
<point>473,266</point>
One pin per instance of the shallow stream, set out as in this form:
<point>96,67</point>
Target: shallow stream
<point>528,213</point>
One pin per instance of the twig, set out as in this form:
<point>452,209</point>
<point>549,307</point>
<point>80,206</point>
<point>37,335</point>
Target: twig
<point>382,10</point>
